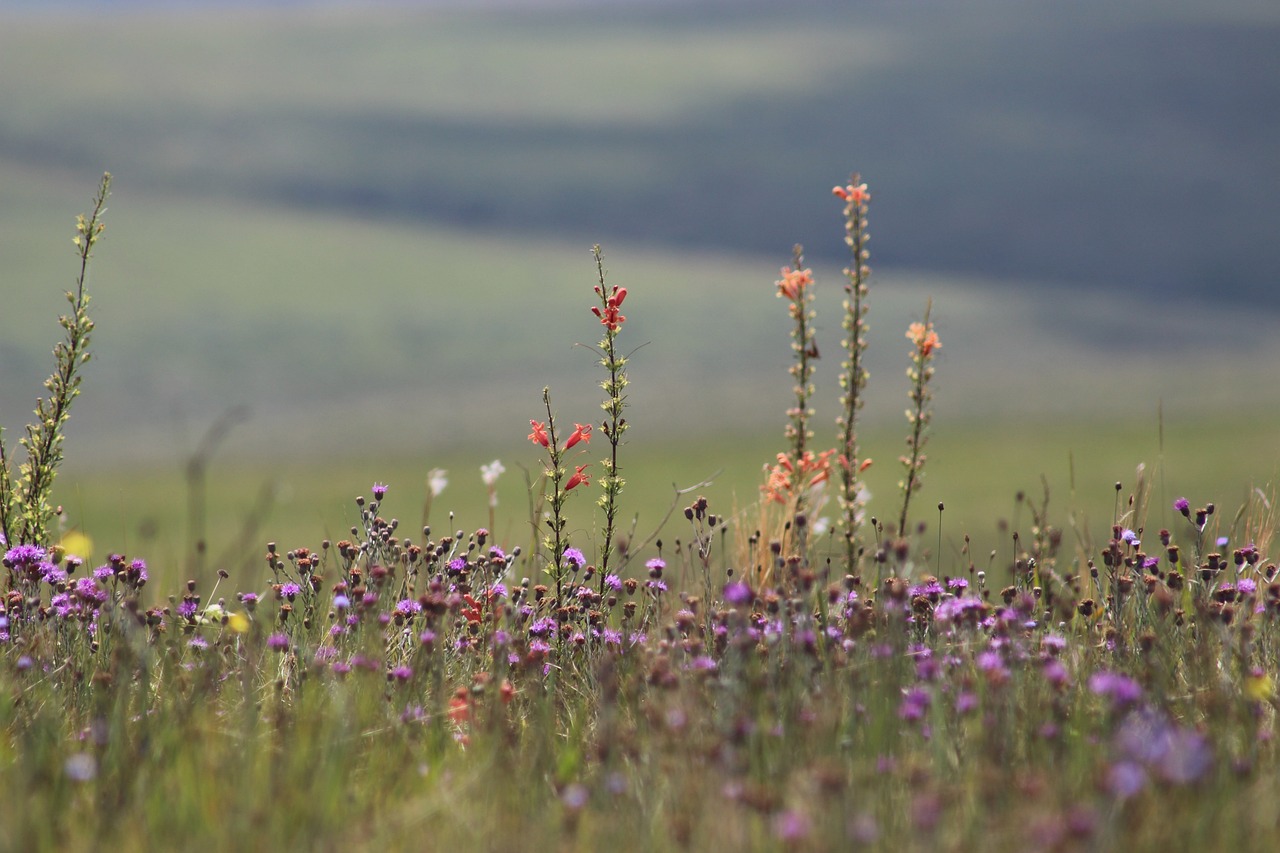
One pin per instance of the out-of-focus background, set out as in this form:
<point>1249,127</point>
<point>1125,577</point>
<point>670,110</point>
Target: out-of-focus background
<point>365,230</point>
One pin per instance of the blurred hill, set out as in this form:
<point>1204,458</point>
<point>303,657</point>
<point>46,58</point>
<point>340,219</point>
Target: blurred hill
<point>1122,147</point>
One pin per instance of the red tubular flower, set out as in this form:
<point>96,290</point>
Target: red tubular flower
<point>581,432</point>
<point>578,478</point>
<point>539,434</point>
<point>610,317</point>
<point>855,194</point>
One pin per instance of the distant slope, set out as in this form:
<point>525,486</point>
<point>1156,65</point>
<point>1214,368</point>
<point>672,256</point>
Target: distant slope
<point>1117,146</point>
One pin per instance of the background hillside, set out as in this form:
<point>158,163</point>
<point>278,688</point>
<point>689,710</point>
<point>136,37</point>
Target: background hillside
<point>370,227</point>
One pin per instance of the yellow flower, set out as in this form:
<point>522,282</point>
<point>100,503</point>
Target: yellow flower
<point>1259,687</point>
<point>76,544</point>
<point>238,622</point>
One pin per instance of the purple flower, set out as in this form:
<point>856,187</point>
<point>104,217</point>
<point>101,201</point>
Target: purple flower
<point>277,642</point>
<point>408,607</point>
<point>379,491</point>
<point>458,565</point>
<point>914,704</point>
<point>290,590</point>
<point>104,573</point>
<point>341,602</point>
<point>957,584</point>
<point>655,566</point>
<point>656,586</point>
<point>738,593</point>
<point>400,673</point>
<point>24,555</point>
<point>1183,506</point>
<point>1125,779</point>
<point>1120,689</point>
<point>197,642</point>
<point>573,559</point>
<point>791,825</point>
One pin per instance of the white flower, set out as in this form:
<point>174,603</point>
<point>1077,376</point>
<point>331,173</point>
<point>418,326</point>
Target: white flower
<point>436,481</point>
<point>491,472</point>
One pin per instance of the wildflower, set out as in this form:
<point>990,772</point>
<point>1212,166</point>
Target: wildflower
<point>1183,506</point>
<point>655,566</point>
<point>792,825</point>
<point>437,479</point>
<point>277,642</point>
<point>581,432</point>
<point>924,338</point>
<point>1120,689</point>
<point>24,555</point>
<point>400,673</point>
<point>379,492</point>
<point>793,283</point>
<point>539,434</point>
<point>613,582</point>
<point>578,478</point>
<point>610,317</point>
<point>490,473</point>
<point>737,593</point>
<point>573,559</point>
<point>853,194</point>
<point>289,590</point>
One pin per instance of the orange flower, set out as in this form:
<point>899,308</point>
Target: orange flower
<point>460,706</point>
<point>578,478</point>
<point>581,432</point>
<point>856,195</point>
<point>539,434</point>
<point>793,283</point>
<point>924,337</point>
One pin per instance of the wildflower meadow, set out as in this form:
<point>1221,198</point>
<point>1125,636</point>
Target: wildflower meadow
<point>811,671</point>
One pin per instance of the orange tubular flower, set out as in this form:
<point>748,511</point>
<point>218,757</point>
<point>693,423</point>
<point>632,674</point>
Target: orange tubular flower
<point>793,283</point>
<point>539,434</point>
<point>578,478</point>
<point>853,194</point>
<point>581,432</point>
<point>610,317</point>
<point>924,337</point>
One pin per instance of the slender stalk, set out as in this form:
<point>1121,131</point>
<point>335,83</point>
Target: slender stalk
<point>853,374</point>
<point>44,438</point>
<point>925,341</point>
<point>614,424</point>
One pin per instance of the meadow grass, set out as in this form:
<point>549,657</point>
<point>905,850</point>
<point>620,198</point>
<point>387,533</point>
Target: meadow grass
<point>1097,674</point>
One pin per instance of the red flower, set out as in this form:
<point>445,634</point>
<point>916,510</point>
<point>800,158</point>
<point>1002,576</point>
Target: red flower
<point>539,434</point>
<point>610,316</point>
<point>581,432</point>
<point>578,478</point>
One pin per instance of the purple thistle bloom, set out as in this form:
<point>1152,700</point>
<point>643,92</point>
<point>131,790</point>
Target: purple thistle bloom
<point>1125,779</point>
<point>277,642</point>
<point>458,565</point>
<point>1120,689</point>
<point>88,589</point>
<point>738,593</point>
<point>1182,505</point>
<point>914,704</point>
<point>573,559</point>
<point>379,491</point>
<point>498,590</point>
<point>290,590</point>
<point>52,575</point>
<point>104,573</point>
<point>613,582</point>
<point>1222,541</point>
<point>401,673</point>
<point>187,608</point>
<point>957,584</point>
<point>341,602</point>
<point>1128,536</point>
<point>24,555</point>
<point>612,637</point>
<point>656,586</point>
<point>197,642</point>
<point>408,607</point>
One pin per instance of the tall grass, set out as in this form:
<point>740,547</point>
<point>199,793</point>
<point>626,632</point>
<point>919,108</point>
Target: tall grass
<point>760,684</point>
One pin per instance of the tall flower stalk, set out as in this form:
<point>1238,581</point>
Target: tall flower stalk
<point>543,434</point>
<point>25,510</point>
<point>853,373</point>
<point>924,341</point>
<point>796,286</point>
<point>614,424</point>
